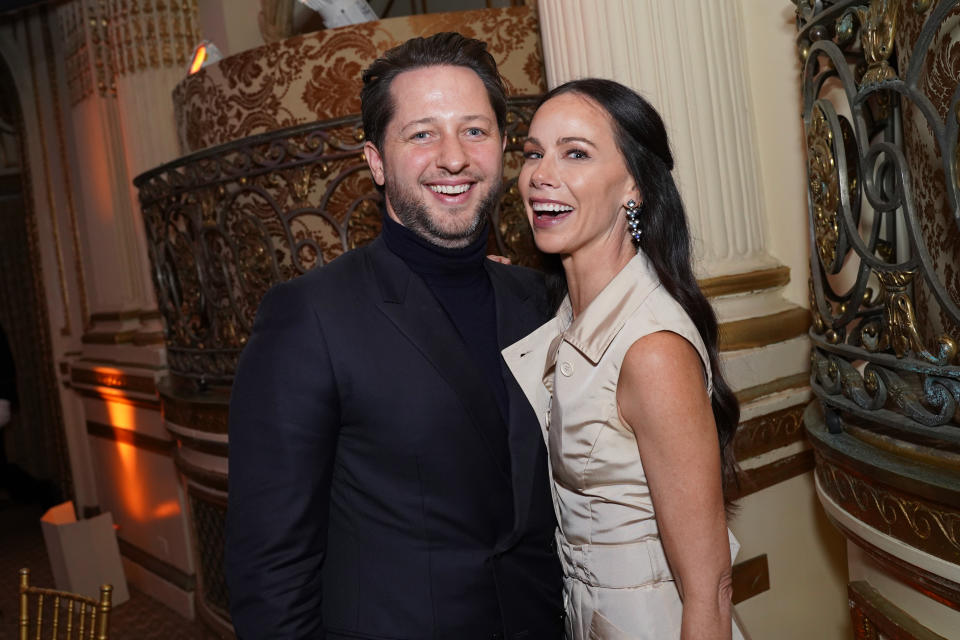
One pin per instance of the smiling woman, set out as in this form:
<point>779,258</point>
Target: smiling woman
<point>638,418</point>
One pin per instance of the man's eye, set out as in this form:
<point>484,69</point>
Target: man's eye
<point>420,135</point>
<point>474,131</point>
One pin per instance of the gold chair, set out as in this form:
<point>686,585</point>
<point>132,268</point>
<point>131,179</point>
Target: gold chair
<point>85,616</point>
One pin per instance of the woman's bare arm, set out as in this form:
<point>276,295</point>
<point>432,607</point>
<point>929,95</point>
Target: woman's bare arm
<point>662,396</point>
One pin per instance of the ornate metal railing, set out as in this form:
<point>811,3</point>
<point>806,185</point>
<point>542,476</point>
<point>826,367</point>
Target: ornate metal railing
<point>225,224</point>
<point>880,110</point>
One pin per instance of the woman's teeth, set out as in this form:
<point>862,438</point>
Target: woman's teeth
<point>450,189</point>
<point>550,207</point>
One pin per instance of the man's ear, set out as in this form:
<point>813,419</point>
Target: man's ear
<point>374,161</point>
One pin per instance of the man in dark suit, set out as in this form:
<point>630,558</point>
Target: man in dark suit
<point>388,478</point>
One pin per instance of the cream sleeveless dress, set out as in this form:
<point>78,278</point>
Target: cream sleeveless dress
<point>617,583</point>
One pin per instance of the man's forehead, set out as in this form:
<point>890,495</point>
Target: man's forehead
<point>414,89</point>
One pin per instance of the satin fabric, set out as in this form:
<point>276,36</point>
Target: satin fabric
<point>617,582</point>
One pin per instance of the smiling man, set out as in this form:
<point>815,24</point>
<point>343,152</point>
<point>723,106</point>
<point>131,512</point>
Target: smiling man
<point>388,478</point>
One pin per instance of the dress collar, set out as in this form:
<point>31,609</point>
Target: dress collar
<point>595,328</point>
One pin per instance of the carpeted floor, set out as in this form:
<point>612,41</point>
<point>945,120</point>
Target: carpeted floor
<point>21,545</point>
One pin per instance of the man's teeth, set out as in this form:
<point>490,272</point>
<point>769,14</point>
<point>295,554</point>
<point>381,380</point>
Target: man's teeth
<point>450,189</point>
<point>550,207</point>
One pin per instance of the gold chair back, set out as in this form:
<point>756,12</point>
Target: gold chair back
<point>54,615</point>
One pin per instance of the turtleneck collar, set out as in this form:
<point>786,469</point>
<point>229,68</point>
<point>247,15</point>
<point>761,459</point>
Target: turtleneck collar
<point>432,262</point>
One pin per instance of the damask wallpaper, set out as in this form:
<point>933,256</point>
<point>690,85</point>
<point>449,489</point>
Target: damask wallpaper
<point>938,226</point>
<point>317,76</point>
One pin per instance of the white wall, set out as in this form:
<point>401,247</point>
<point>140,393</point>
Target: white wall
<point>774,70</point>
<point>807,560</point>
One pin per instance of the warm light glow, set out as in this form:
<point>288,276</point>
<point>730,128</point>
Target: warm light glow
<point>131,491</point>
<point>198,59</point>
<point>108,370</point>
<point>167,509</point>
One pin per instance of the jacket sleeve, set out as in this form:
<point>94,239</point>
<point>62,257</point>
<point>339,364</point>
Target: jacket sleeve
<point>284,421</point>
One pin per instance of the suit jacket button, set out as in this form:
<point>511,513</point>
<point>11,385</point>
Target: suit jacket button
<point>566,369</point>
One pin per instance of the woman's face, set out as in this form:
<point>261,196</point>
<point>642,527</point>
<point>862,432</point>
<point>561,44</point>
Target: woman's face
<point>574,181</point>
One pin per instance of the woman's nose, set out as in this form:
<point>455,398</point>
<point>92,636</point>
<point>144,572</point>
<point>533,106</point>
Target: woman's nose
<point>543,174</point>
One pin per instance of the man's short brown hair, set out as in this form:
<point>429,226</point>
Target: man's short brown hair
<point>447,48</point>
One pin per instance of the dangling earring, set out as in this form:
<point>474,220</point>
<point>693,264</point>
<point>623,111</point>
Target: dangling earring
<point>633,219</point>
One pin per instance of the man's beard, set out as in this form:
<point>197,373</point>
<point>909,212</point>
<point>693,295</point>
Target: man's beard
<point>415,215</point>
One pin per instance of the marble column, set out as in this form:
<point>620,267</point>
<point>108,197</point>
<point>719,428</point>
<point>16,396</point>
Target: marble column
<point>120,60</point>
<point>687,58</point>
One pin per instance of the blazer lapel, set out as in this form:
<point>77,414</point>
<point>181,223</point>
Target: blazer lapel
<point>517,315</point>
<point>408,303</point>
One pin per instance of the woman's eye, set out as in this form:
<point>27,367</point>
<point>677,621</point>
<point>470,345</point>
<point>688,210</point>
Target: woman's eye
<point>532,155</point>
<point>577,154</point>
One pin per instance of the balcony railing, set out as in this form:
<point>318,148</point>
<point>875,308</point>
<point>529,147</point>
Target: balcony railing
<point>880,130</point>
<point>225,224</point>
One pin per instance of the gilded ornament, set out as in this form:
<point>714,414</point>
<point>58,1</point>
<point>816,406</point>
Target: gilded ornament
<point>899,328</point>
<point>824,185</point>
<point>818,324</point>
<point>878,28</point>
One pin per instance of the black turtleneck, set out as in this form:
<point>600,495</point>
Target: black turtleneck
<point>459,281</point>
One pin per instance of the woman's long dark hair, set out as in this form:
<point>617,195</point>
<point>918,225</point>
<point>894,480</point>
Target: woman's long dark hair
<point>642,139</point>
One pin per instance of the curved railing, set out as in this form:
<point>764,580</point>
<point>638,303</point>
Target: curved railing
<point>881,111</point>
<point>225,224</point>
<point>876,355</point>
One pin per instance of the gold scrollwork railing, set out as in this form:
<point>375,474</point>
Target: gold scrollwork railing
<point>881,121</point>
<point>225,224</point>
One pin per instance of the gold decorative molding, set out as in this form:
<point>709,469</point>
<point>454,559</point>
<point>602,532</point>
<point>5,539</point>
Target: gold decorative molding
<point>764,330</point>
<point>203,413</point>
<point>931,585</point>
<point>931,527</point>
<point>108,337</point>
<point>72,17</point>
<point>110,377</point>
<point>824,186</point>
<point>115,396</point>
<point>115,316</point>
<point>876,618</point>
<point>152,34</point>
<point>796,381</point>
<point>899,330</point>
<point>769,432</point>
<point>51,203</point>
<point>877,33</point>
<point>768,475</point>
<point>891,441</point>
<point>745,282</point>
<point>104,62</point>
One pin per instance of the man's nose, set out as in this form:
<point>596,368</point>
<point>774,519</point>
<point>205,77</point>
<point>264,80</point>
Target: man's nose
<point>452,157</point>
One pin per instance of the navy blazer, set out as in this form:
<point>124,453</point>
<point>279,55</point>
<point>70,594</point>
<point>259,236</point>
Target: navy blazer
<point>369,496</point>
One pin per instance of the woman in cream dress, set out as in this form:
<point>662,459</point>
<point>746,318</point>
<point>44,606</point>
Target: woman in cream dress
<point>637,418</point>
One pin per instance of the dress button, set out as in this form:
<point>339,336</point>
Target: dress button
<point>566,369</point>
